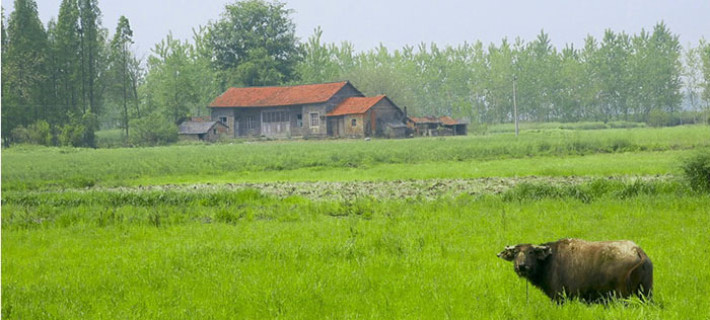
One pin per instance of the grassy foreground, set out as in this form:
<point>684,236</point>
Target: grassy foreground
<point>96,234</point>
<point>259,257</point>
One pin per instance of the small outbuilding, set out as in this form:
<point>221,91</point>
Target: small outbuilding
<point>202,130</point>
<point>433,126</point>
<point>367,117</point>
<point>454,127</point>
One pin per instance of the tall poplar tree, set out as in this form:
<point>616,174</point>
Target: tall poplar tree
<point>120,79</point>
<point>90,50</point>
<point>24,68</point>
<point>66,47</point>
<point>704,49</point>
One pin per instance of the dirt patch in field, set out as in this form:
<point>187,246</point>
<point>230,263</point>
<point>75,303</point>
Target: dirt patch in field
<point>397,189</point>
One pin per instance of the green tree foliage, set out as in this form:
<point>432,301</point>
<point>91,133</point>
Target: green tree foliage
<point>693,77</point>
<point>24,68</point>
<point>53,75</point>
<point>704,51</point>
<point>153,129</point>
<point>80,131</point>
<point>619,77</point>
<point>179,82</point>
<point>91,43</point>
<point>67,64</point>
<point>36,133</point>
<point>318,64</point>
<point>254,43</point>
<point>122,75</point>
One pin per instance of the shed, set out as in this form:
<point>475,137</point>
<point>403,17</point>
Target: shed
<point>437,126</point>
<point>367,117</point>
<point>423,126</point>
<point>202,130</point>
<point>457,127</point>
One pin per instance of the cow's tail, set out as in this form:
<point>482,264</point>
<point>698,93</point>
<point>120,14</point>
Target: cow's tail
<point>640,279</point>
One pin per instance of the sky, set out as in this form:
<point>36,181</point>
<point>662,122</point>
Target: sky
<point>397,23</point>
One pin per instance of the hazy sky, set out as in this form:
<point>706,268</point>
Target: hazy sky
<point>396,23</point>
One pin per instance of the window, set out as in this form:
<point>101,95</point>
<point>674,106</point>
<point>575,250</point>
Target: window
<point>299,120</point>
<point>315,119</point>
<point>223,120</point>
<point>214,131</point>
<point>353,122</point>
<point>252,123</point>
<point>276,116</point>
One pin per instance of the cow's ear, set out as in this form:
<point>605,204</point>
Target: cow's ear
<point>542,252</point>
<point>507,254</point>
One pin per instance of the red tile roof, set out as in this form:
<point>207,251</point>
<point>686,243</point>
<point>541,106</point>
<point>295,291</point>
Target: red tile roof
<point>444,120</point>
<point>277,96</point>
<point>424,120</point>
<point>355,105</point>
<point>448,121</point>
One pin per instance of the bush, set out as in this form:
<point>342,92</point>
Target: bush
<point>72,135</point>
<point>80,132</point>
<point>153,130</point>
<point>37,133</point>
<point>20,135</point>
<point>696,170</point>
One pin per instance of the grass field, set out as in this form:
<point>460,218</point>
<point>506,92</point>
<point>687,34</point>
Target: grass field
<point>388,229</point>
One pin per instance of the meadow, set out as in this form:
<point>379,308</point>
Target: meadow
<point>391,229</point>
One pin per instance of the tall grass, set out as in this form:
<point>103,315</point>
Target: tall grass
<point>262,257</point>
<point>73,248</point>
<point>49,168</point>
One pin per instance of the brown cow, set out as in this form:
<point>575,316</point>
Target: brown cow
<point>590,271</point>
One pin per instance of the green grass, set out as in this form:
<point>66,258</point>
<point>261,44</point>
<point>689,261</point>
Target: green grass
<point>97,234</point>
<point>302,259</point>
<point>556,150</point>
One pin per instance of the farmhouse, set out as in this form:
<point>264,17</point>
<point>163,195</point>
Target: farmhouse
<point>334,109</point>
<point>198,129</point>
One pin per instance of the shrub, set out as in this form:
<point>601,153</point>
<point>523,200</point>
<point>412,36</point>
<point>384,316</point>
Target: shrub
<point>696,170</point>
<point>37,133</point>
<point>80,132</point>
<point>72,135</point>
<point>153,130</point>
<point>20,135</point>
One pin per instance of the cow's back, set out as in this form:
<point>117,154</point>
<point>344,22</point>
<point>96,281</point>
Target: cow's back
<point>593,269</point>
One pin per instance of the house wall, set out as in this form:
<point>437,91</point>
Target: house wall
<point>217,113</point>
<point>314,120</point>
<point>384,112</point>
<point>276,122</point>
<point>215,132</point>
<point>247,122</point>
<point>296,121</point>
<point>343,126</point>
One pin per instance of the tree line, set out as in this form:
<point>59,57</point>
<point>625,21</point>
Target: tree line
<point>63,82</point>
<point>646,77</point>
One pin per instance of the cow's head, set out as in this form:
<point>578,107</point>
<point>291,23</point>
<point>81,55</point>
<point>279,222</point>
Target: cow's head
<point>526,257</point>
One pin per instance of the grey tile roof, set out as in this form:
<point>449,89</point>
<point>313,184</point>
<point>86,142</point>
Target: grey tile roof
<point>196,127</point>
